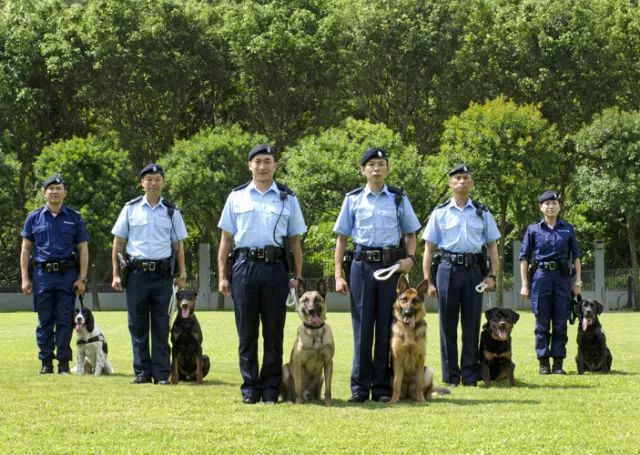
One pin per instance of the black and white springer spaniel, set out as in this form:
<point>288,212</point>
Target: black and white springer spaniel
<point>91,344</point>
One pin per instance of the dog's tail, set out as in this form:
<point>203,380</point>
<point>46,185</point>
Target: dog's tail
<point>430,390</point>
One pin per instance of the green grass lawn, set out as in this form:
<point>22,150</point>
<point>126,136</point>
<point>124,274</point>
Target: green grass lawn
<point>593,413</point>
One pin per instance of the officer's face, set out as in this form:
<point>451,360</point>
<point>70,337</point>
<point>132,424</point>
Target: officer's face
<point>461,182</point>
<point>375,169</point>
<point>152,184</point>
<point>55,193</point>
<point>262,167</point>
<point>550,208</point>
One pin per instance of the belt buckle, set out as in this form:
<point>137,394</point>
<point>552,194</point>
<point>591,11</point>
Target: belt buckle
<point>152,266</point>
<point>375,255</point>
<point>55,266</point>
<point>259,253</point>
<point>459,259</point>
<point>551,265</point>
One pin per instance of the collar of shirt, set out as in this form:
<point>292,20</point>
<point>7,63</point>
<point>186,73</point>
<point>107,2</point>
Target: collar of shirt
<point>559,223</point>
<point>452,204</point>
<point>146,201</point>
<point>63,209</point>
<point>384,190</point>
<point>252,187</point>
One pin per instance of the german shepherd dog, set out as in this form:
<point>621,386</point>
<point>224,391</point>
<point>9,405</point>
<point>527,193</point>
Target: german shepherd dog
<point>312,352</point>
<point>593,353</point>
<point>187,361</point>
<point>411,378</point>
<point>495,346</point>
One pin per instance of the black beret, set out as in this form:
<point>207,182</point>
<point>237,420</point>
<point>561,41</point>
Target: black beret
<point>261,148</point>
<point>53,180</point>
<point>373,152</point>
<point>548,196</point>
<point>152,168</point>
<point>459,169</point>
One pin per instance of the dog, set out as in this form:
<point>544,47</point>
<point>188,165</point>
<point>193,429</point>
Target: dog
<point>187,361</point>
<point>312,352</point>
<point>91,344</point>
<point>411,378</point>
<point>593,353</point>
<point>495,346</point>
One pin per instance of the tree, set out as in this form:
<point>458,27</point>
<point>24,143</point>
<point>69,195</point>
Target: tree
<point>609,175</point>
<point>12,219</point>
<point>514,155</point>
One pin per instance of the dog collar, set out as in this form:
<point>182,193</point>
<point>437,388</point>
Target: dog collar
<point>90,340</point>
<point>309,326</point>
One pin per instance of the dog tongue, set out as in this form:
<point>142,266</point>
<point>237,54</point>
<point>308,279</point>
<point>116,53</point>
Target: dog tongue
<point>585,324</point>
<point>78,328</point>
<point>185,312</point>
<point>502,333</point>
<point>315,319</point>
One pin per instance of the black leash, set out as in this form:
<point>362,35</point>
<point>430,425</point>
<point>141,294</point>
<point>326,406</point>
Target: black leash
<point>81,298</point>
<point>576,300</point>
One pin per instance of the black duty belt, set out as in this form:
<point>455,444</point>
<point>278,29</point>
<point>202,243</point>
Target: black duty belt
<point>553,265</point>
<point>387,255</point>
<point>466,259</point>
<point>150,265</point>
<point>55,266</point>
<point>269,253</point>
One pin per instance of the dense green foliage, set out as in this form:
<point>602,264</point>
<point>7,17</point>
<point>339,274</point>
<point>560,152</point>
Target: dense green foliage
<point>321,79</point>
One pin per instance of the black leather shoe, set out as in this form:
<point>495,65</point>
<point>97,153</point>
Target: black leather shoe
<point>544,367</point>
<point>162,382</point>
<point>63,368</point>
<point>452,385</point>
<point>270,401</point>
<point>141,379</point>
<point>357,399</point>
<point>46,369</point>
<point>557,367</point>
<point>249,400</point>
<point>469,383</point>
<point>382,399</point>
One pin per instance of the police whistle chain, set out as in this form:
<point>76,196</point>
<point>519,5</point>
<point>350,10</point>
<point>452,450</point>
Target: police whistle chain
<point>481,287</point>
<point>385,274</point>
<point>292,298</point>
<point>173,304</point>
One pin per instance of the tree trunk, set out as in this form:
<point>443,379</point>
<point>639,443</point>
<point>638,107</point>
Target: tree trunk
<point>501,242</point>
<point>631,230</point>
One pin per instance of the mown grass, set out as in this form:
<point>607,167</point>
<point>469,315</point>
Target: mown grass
<point>592,413</point>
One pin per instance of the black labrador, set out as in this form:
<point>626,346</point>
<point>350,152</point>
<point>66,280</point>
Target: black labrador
<point>593,353</point>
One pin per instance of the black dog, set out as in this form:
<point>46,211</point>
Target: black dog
<point>593,353</point>
<point>187,361</point>
<point>495,346</point>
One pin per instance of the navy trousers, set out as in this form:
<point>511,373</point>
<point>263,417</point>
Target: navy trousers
<point>259,290</point>
<point>458,299</point>
<point>54,300</point>
<point>371,317</point>
<point>551,304</point>
<point>148,295</point>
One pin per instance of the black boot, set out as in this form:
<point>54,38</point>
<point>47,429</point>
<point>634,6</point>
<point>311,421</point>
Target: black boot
<point>557,366</point>
<point>544,366</point>
<point>63,367</point>
<point>47,367</point>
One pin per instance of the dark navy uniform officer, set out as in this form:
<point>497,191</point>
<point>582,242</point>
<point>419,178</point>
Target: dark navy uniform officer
<point>153,231</point>
<point>256,217</point>
<point>460,228</point>
<point>552,246</point>
<point>376,217</point>
<point>55,241</point>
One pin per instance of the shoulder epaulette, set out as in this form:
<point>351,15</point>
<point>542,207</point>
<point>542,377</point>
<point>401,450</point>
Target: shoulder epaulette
<point>480,206</point>
<point>241,187</point>
<point>169,204</point>
<point>73,210</point>
<point>285,188</point>
<point>356,191</point>
<point>443,204</point>
<point>134,200</point>
<point>397,192</point>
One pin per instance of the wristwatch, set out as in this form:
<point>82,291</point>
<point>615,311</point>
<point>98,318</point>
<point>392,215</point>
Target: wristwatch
<point>578,284</point>
<point>412,257</point>
<point>491,276</point>
<point>83,279</point>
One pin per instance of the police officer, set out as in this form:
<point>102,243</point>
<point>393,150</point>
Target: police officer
<point>376,217</point>
<point>58,239</point>
<point>460,228</point>
<point>153,231</point>
<point>257,217</point>
<point>550,244</point>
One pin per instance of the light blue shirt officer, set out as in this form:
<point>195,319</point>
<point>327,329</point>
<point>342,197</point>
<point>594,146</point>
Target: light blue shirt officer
<point>460,230</point>
<point>373,220</point>
<point>250,215</point>
<point>148,229</point>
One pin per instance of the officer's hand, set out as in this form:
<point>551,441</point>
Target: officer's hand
<point>491,282</point>
<point>524,291</point>
<point>180,282</point>
<point>116,284</point>
<point>577,290</point>
<point>405,265</point>
<point>432,291</point>
<point>223,286</point>
<point>79,287</point>
<point>26,287</point>
<point>341,286</point>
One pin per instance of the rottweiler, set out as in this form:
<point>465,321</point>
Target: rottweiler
<point>593,353</point>
<point>495,346</point>
<point>187,361</point>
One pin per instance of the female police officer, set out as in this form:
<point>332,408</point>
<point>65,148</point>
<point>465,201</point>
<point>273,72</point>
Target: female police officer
<point>550,244</point>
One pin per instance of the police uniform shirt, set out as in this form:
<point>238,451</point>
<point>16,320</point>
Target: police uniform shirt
<point>372,219</point>
<point>544,243</point>
<point>149,230</point>
<point>54,238</point>
<point>460,230</point>
<point>250,216</point>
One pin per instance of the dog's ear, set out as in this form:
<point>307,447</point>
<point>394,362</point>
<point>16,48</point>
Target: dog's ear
<point>403,284</point>
<point>513,315</point>
<point>300,289</point>
<point>489,313</point>
<point>321,287</point>
<point>88,316</point>
<point>600,306</point>
<point>422,289</point>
